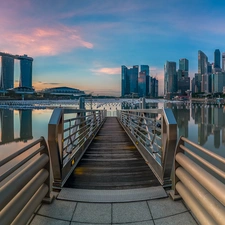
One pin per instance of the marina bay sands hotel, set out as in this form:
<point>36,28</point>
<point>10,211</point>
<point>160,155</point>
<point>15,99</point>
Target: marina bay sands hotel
<point>7,70</point>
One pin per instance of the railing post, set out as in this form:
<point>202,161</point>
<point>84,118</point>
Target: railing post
<point>48,197</point>
<point>55,141</point>
<point>169,139</point>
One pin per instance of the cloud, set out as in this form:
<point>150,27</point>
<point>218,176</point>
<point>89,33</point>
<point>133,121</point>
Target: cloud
<point>107,71</point>
<point>43,41</point>
<point>39,85</point>
<point>51,83</point>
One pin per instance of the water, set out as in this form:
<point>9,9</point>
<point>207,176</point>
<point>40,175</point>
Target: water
<point>201,123</point>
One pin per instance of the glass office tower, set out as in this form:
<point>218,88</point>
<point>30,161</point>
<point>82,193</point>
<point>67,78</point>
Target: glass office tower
<point>25,71</point>
<point>7,72</point>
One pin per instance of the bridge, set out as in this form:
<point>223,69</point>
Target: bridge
<point>128,169</point>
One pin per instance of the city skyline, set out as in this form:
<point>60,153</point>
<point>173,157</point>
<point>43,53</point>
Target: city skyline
<point>83,44</point>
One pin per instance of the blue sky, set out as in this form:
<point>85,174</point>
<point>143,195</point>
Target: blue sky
<point>82,44</point>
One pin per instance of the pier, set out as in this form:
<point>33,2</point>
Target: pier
<point>128,169</point>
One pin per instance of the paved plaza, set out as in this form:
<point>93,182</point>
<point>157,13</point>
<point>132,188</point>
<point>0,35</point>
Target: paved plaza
<point>162,211</point>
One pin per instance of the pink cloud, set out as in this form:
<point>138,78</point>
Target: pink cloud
<point>42,41</point>
<point>107,71</point>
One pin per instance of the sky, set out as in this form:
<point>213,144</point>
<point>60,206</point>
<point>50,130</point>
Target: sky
<point>83,43</point>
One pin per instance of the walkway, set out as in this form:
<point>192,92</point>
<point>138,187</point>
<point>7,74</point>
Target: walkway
<point>112,162</point>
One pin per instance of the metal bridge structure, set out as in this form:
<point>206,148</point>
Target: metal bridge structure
<point>133,156</point>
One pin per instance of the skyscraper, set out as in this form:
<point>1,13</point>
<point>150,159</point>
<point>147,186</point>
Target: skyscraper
<point>205,83</point>
<point>133,78</point>
<point>184,66</point>
<point>217,57</point>
<point>129,80</point>
<point>218,81</point>
<point>223,61</point>
<point>145,68</point>
<point>198,83</point>
<point>183,85</point>
<point>193,85</point>
<point>142,84</point>
<point>125,90</point>
<point>202,63</point>
<point>170,77</point>
<point>154,87</point>
<point>7,72</point>
<point>25,71</point>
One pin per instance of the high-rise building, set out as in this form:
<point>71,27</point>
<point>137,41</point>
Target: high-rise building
<point>209,67</point>
<point>170,77</point>
<point>129,80</point>
<point>125,90</point>
<point>223,61</point>
<point>184,66</point>
<point>7,72</point>
<point>217,58</point>
<point>133,78</point>
<point>25,71</point>
<point>218,81</point>
<point>205,83</point>
<point>142,84</point>
<point>145,68</point>
<point>183,85</point>
<point>198,82</point>
<point>202,63</point>
<point>193,85</point>
<point>154,87</point>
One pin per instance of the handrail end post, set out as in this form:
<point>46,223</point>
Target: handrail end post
<point>174,196</point>
<point>48,199</point>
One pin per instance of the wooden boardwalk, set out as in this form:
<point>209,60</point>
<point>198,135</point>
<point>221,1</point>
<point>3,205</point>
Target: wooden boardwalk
<point>112,162</point>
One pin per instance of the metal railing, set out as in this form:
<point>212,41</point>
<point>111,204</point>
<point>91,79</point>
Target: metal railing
<point>154,132</point>
<point>202,191</point>
<point>70,131</point>
<point>26,183</point>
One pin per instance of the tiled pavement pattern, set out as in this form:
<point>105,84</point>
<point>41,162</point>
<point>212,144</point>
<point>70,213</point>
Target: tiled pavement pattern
<point>152,212</point>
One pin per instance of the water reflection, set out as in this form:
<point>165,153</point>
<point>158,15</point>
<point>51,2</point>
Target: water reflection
<point>202,124</point>
<point>210,121</point>
<point>7,126</point>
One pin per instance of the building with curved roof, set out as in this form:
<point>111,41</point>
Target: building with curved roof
<point>63,91</point>
<point>21,90</point>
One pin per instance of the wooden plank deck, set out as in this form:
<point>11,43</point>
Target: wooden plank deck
<point>112,162</point>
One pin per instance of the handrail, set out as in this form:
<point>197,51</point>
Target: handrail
<point>32,181</point>
<point>202,191</point>
<point>154,132</point>
<point>70,131</point>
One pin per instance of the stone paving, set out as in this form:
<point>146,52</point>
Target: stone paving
<point>163,211</point>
